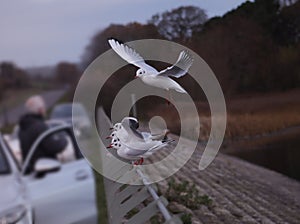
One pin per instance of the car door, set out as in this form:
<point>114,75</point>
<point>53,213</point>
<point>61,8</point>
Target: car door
<point>14,204</point>
<point>65,196</point>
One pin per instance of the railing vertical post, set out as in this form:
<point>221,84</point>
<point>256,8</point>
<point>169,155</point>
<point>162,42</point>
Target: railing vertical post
<point>133,100</point>
<point>153,193</point>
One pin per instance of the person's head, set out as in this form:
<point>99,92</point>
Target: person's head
<point>36,105</point>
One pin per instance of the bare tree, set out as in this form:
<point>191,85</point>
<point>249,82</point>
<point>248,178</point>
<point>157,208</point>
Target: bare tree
<point>12,76</point>
<point>66,73</point>
<point>179,23</point>
<point>287,2</point>
<point>129,32</point>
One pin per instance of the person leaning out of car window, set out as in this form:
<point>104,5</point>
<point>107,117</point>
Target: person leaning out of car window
<point>32,124</point>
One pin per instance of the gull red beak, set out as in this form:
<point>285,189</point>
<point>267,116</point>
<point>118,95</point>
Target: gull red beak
<point>136,77</point>
<point>108,137</point>
<point>111,128</point>
<point>109,147</point>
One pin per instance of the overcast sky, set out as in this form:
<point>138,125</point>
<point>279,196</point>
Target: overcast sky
<point>44,32</point>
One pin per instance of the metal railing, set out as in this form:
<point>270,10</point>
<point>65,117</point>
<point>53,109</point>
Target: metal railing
<point>133,204</point>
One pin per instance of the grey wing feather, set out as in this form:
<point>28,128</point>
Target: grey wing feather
<point>134,134</point>
<point>133,152</point>
<point>130,55</point>
<point>137,134</point>
<point>164,143</point>
<point>181,67</point>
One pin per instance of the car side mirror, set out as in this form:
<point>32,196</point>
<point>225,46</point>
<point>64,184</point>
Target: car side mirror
<point>44,166</point>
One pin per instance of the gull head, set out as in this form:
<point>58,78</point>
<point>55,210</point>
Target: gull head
<point>112,135</point>
<point>115,142</point>
<point>139,73</point>
<point>116,127</point>
<point>116,145</point>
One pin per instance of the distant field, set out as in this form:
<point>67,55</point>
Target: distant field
<point>15,97</point>
<point>260,114</point>
<point>247,115</point>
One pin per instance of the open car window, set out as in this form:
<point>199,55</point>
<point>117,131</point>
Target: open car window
<point>68,153</point>
<point>51,143</point>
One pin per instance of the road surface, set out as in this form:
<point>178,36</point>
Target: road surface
<point>12,116</point>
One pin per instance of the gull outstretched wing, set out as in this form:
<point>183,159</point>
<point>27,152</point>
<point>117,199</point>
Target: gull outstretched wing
<point>130,55</point>
<point>181,67</point>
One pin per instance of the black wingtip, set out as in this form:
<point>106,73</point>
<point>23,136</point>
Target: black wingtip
<point>110,38</point>
<point>115,39</point>
<point>188,55</point>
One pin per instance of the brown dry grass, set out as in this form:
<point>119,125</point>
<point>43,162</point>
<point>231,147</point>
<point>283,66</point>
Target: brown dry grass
<point>261,114</point>
<point>246,115</point>
<point>262,122</point>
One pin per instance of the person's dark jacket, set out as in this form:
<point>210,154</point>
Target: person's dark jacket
<point>31,126</point>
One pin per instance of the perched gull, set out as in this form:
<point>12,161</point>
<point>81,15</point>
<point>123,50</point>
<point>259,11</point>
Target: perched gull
<point>150,75</point>
<point>132,124</point>
<point>134,145</point>
<point>136,155</point>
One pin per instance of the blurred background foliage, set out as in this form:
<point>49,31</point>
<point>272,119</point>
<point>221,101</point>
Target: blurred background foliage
<point>254,51</point>
<point>254,47</point>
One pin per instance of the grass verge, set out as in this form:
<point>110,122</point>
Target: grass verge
<point>101,199</point>
<point>246,116</point>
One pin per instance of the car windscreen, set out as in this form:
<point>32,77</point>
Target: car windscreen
<point>79,110</point>
<point>62,112</point>
<point>4,168</point>
<point>65,111</point>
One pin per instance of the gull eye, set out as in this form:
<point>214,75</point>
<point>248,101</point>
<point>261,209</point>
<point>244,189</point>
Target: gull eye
<point>119,145</point>
<point>115,140</point>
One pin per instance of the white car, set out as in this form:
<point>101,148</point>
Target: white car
<point>54,193</point>
<point>14,203</point>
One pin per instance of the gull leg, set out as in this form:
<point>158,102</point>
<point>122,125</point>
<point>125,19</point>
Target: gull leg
<point>168,100</point>
<point>170,97</point>
<point>139,162</point>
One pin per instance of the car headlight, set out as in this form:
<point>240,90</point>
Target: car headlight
<point>13,215</point>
